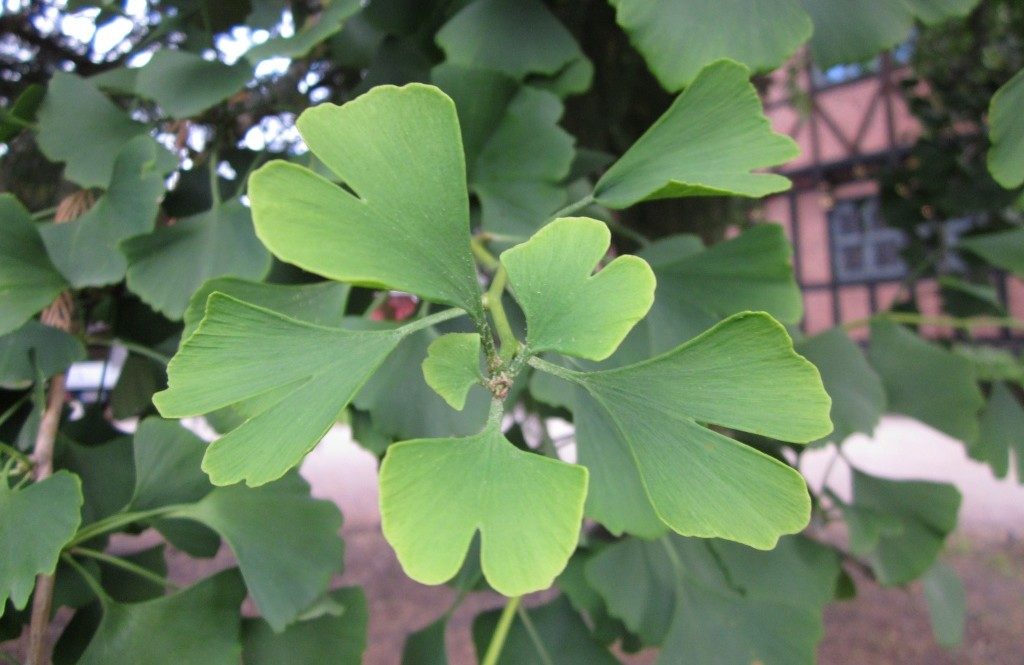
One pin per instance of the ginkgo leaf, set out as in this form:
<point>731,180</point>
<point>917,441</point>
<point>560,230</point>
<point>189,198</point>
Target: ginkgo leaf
<point>516,154</point>
<point>850,31</point>
<point>568,309</point>
<point>165,267</point>
<point>286,543</point>
<point>79,126</point>
<point>926,511</point>
<point>858,397</point>
<point>947,604</point>
<point>559,630</point>
<point>488,34</point>
<point>35,524</point>
<point>35,350</point>
<point>338,638</point>
<point>184,84</point>
<point>924,381</point>
<point>28,280</point>
<point>85,250</point>
<point>302,375</point>
<point>328,22</point>
<point>699,287</point>
<point>167,465</point>
<point>400,381</point>
<point>406,224</point>
<point>761,34</point>
<point>322,303</point>
<point>435,494</point>
<point>199,624</point>
<point>743,374</point>
<point>1006,131</point>
<point>1002,429</point>
<point>706,144</point>
<point>1003,249</point>
<point>452,366</point>
<point>713,601</point>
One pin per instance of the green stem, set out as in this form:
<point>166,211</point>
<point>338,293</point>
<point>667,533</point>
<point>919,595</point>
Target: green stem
<point>125,565</point>
<point>964,323</point>
<point>14,408</point>
<point>551,368</point>
<point>574,207</point>
<point>100,527</point>
<point>618,227</point>
<point>538,644</point>
<point>6,116</point>
<point>433,319</point>
<point>13,452</point>
<point>214,163</point>
<point>482,255</point>
<point>44,213</point>
<point>137,349</point>
<point>89,579</point>
<point>501,632</point>
<point>378,301</point>
<point>509,343</point>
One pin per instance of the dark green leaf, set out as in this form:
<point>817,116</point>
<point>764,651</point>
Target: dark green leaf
<point>48,510</point>
<point>167,266</point>
<point>28,280</point>
<point>35,350</point>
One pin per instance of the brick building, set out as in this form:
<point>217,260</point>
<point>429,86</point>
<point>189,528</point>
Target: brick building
<point>849,121</point>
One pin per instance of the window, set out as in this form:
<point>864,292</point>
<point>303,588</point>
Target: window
<point>864,249</point>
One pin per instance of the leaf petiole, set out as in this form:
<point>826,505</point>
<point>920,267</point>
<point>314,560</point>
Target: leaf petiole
<point>501,632</point>
<point>107,524</point>
<point>964,323</point>
<point>125,565</point>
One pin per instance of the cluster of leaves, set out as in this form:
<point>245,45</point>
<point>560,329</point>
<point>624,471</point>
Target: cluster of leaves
<point>445,168</point>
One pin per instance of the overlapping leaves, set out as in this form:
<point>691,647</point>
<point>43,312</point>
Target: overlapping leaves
<point>744,374</point>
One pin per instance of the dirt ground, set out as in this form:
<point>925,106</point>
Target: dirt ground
<point>879,627</point>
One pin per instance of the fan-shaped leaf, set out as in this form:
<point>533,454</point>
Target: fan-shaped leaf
<point>28,280</point>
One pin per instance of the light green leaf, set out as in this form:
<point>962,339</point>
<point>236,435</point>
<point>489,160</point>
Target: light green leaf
<point>452,366</point>
<point>947,604</point>
<point>706,144</point>
<point>167,465</point>
<point>301,376</point>
<point>1002,429</point>
<point>407,225</point>
<point>761,34</point>
<point>197,625</point>
<point>35,524</point>
<point>743,374</point>
<point>35,349</point>
<point>338,639</point>
<point>527,508</point>
<point>1006,131</point>
<point>321,27</point>
<point>927,512</point>
<point>561,631</point>
<point>79,126</point>
<point>858,398</point>
<point>28,280</point>
<point>849,31</point>
<point>286,543</point>
<point>926,382</point>
<point>86,250</point>
<point>489,34</point>
<point>183,84</point>
<point>568,309</point>
<point>399,381</point>
<point>1003,249</point>
<point>322,303</point>
<point>516,154</point>
<point>168,265</point>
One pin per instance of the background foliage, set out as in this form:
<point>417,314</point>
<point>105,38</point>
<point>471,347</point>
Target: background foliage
<point>172,188</point>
